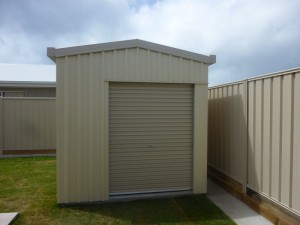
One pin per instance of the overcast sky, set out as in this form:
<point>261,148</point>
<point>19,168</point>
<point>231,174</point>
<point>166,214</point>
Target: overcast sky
<point>249,37</point>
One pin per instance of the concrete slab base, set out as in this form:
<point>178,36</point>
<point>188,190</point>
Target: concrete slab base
<point>7,218</point>
<point>234,208</point>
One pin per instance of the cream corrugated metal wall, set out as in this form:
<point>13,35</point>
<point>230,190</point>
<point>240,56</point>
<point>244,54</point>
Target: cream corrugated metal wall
<point>273,126</point>
<point>227,135</point>
<point>82,114</point>
<point>274,138</point>
<point>27,123</point>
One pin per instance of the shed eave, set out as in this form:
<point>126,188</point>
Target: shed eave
<point>134,43</point>
<point>51,53</point>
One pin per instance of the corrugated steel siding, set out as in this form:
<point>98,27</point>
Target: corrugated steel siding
<point>273,150</point>
<point>141,65</point>
<point>227,130</point>
<point>28,124</point>
<point>82,112</point>
<point>150,136</point>
<point>80,137</point>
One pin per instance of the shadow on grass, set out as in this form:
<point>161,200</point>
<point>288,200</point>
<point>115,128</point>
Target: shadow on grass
<point>181,210</point>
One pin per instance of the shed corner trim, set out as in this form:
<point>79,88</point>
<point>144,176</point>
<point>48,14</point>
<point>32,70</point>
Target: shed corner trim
<point>51,53</point>
<point>213,59</point>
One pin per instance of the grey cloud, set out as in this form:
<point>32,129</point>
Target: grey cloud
<point>60,17</point>
<point>248,37</point>
<point>55,23</point>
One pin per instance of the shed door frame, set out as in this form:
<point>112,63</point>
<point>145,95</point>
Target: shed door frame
<point>199,145</point>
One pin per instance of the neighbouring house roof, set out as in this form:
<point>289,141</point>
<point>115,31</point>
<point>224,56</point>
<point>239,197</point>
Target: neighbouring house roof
<point>31,84</point>
<point>135,43</point>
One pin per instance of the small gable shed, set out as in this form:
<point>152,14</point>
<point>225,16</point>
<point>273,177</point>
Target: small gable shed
<point>131,120</point>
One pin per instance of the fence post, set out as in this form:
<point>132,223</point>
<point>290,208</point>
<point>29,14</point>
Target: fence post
<point>245,157</point>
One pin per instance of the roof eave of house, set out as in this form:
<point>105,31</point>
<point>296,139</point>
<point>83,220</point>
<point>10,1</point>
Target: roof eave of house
<point>28,84</point>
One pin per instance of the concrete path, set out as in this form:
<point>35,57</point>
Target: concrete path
<point>234,208</point>
<point>6,218</point>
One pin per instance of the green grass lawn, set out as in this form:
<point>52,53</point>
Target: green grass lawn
<point>28,186</point>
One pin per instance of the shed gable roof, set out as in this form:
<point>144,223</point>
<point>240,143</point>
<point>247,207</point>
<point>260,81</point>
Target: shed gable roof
<point>135,43</point>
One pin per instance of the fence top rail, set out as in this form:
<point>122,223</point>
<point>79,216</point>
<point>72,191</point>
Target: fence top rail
<point>280,73</point>
<point>226,84</point>
<point>260,77</point>
<point>27,98</point>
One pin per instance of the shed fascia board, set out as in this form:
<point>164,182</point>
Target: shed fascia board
<point>30,84</point>
<point>135,43</point>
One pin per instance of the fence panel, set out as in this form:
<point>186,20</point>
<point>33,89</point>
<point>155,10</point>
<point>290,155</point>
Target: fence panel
<point>1,125</point>
<point>28,123</point>
<point>227,130</point>
<point>295,202</point>
<point>273,128</point>
<point>259,118</point>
